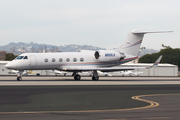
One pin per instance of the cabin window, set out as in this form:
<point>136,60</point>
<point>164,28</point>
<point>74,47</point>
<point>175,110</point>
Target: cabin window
<point>74,59</point>
<point>60,59</point>
<point>53,60</point>
<point>67,59</point>
<point>45,60</point>
<point>19,57</point>
<point>81,59</point>
<point>26,57</point>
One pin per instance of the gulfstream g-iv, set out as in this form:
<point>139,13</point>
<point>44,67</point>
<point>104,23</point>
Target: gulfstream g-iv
<point>85,60</point>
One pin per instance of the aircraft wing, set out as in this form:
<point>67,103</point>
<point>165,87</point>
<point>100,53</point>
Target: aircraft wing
<point>109,69</point>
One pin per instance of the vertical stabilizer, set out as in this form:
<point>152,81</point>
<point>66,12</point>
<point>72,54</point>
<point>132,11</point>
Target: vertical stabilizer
<point>133,42</point>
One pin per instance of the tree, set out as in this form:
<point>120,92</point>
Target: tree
<point>170,55</point>
<point>167,47</point>
<point>10,56</point>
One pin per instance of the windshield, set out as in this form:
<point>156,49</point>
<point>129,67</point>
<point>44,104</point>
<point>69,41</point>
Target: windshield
<point>19,57</point>
<point>25,57</point>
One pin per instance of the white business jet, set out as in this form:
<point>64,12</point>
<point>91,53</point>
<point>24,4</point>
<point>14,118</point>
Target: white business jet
<point>130,73</point>
<point>57,72</point>
<point>137,73</point>
<point>85,60</point>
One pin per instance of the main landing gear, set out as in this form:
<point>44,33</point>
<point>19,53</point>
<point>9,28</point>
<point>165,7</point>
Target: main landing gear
<point>95,76</point>
<point>76,76</point>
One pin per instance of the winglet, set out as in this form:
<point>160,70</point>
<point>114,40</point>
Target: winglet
<point>156,63</point>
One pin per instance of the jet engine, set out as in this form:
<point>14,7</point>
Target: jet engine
<point>108,55</point>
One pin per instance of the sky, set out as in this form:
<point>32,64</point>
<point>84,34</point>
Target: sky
<point>101,23</point>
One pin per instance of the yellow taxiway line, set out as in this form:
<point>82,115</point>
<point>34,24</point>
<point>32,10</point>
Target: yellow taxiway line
<point>152,104</point>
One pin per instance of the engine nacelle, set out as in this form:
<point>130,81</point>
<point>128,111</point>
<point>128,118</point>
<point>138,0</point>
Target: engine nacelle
<point>108,55</point>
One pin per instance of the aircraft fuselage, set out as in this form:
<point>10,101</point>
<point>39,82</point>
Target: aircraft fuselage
<point>66,60</point>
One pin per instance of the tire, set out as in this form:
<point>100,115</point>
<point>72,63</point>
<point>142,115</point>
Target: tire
<point>77,77</point>
<point>95,78</point>
<point>19,78</point>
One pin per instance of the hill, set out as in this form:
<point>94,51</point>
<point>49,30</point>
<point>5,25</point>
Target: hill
<point>20,47</point>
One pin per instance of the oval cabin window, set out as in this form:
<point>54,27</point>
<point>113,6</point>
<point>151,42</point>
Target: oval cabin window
<point>45,60</point>
<point>53,60</point>
<point>74,59</point>
<point>67,59</point>
<point>81,59</point>
<point>60,59</point>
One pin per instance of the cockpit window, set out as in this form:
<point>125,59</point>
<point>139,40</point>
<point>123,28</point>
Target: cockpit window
<point>19,57</point>
<point>26,57</point>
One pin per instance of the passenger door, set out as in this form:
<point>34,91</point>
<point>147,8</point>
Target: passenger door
<point>33,61</point>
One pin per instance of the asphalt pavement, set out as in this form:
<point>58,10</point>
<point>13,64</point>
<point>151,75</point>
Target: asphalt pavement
<point>112,94</point>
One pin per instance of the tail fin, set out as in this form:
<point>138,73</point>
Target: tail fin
<point>133,42</point>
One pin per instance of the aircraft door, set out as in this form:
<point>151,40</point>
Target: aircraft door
<point>33,61</point>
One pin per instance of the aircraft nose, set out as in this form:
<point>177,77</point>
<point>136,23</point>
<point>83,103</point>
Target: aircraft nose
<point>10,65</point>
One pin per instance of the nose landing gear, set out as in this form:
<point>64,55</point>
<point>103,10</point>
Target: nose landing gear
<point>19,77</point>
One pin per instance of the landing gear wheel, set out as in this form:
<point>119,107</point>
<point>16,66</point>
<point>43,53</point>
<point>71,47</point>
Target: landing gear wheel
<point>77,77</point>
<point>19,78</point>
<point>95,78</point>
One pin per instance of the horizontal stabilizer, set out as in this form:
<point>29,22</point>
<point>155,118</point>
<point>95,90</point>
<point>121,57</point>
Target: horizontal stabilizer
<point>144,32</point>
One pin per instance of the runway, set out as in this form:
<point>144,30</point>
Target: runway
<point>52,80</point>
<point>113,94</point>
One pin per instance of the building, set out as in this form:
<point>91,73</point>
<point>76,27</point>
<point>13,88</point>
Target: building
<point>160,70</point>
<point>2,55</point>
<point>3,71</point>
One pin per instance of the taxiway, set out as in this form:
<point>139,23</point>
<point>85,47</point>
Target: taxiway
<point>52,80</point>
<point>165,92</point>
